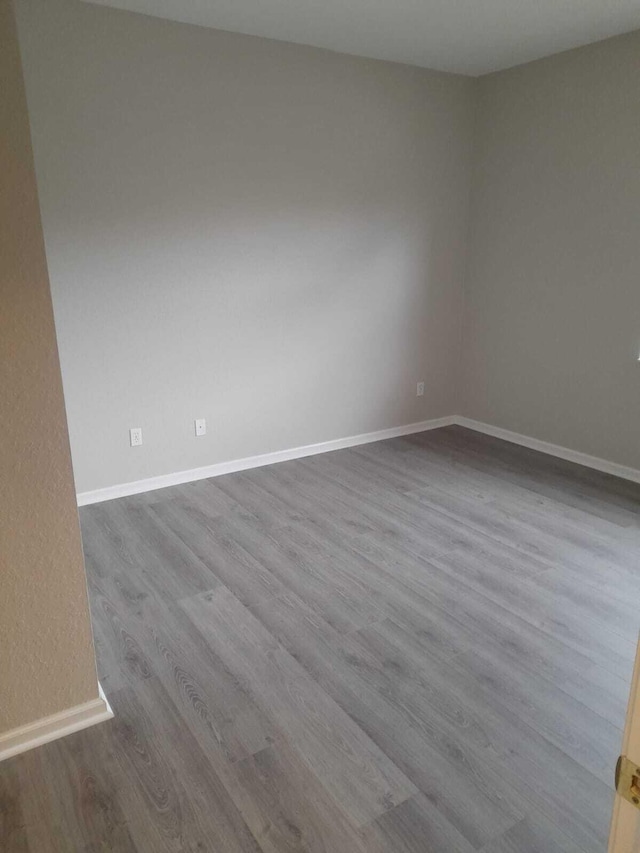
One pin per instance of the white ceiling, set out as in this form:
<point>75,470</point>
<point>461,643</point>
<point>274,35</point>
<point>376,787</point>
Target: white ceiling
<point>464,36</point>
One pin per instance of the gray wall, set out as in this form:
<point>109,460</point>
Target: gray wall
<point>273,237</point>
<point>552,326</point>
<point>266,235</point>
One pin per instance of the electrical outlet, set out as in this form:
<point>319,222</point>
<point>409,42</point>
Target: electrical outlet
<point>420,389</point>
<point>200,426</point>
<point>135,436</point>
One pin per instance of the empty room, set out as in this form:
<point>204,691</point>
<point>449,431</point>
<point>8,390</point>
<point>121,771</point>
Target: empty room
<point>320,426</point>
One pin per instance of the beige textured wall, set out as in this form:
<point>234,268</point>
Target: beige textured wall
<point>266,235</point>
<point>46,649</point>
<point>552,330</point>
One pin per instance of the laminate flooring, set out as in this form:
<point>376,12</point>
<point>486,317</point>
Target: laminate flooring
<point>422,645</point>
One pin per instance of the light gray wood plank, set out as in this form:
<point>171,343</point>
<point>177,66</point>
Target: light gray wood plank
<point>135,541</point>
<point>343,601</point>
<point>483,569</point>
<point>359,776</point>
<point>429,745</point>
<point>161,642</point>
<point>415,826</point>
<point>287,808</point>
<point>526,769</point>
<point>533,835</point>
<point>218,543</point>
<point>172,796</point>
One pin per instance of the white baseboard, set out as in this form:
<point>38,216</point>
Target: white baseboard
<point>576,456</point>
<point>219,468</point>
<point>56,726</point>
<point>124,489</point>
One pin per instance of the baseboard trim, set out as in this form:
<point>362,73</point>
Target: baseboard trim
<point>56,726</point>
<point>220,468</point>
<point>566,453</point>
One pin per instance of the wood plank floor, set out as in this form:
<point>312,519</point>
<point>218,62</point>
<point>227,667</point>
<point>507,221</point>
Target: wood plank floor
<point>423,644</point>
